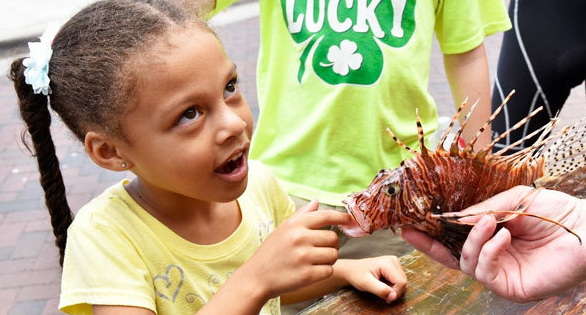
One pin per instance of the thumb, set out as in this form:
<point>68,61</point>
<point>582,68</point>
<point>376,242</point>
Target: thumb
<point>310,207</point>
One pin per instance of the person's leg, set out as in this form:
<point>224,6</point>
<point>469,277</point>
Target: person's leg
<point>542,59</point>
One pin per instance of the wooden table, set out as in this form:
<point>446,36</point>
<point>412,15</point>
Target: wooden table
<point>435,289</point>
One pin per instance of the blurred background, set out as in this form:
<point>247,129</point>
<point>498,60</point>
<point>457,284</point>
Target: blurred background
<point>29,269</point>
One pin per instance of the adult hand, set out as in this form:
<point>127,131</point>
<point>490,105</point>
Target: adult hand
<point>528,258</point>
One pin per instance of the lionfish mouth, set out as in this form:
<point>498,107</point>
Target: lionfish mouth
<point>359,227</point>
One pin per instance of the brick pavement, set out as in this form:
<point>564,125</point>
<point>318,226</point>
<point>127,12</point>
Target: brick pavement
<point>29,271</point>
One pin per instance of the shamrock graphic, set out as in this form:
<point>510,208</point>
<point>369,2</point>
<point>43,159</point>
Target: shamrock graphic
<point>344,58</point>
<point>345,38</point>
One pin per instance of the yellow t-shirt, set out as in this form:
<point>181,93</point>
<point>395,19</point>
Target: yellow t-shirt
<point>118,254</point>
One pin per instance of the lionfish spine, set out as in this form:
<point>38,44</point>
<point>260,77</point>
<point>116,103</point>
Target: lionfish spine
<point>400,143</point>
<point>440,146</point>
<point>492,117</point>
<point>454,150</point>
<point>420,134</point>
<point>542,130</point>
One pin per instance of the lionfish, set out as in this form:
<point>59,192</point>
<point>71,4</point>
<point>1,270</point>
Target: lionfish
<point>426,190</point>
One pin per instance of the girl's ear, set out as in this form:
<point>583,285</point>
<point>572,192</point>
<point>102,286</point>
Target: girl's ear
<point>104,153</point>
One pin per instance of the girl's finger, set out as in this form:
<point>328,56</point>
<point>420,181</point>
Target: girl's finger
<point>323,238</point>
<point>323,256</point>
<point>487,269</point>
<point>480,233</point>
<point>322,218</point>
<point>395,275</point>
<point>375,286</point>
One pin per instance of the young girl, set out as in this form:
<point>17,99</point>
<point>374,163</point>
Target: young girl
<point>200,229</point>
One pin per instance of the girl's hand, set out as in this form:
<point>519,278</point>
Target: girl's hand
<point>382,276</point>
<point>298,253</point>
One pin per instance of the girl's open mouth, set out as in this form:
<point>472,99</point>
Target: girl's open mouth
<point>231,165</point>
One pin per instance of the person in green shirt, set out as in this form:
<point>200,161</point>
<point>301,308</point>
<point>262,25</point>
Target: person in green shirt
<point>333,75</point>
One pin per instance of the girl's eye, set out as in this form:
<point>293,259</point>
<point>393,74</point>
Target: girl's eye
<point>231,88</point>
<point>188,116</point>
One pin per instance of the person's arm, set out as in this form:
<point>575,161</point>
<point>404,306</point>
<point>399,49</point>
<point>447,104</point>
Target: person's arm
<point>528,258</point>
<point>296,254</point>
<point>245,292</point>
<point>242,293</point>
<point>382,276</point>
<point>468,76</point>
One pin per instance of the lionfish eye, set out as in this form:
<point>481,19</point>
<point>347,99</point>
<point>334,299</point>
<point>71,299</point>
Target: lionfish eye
<point>392,189</point>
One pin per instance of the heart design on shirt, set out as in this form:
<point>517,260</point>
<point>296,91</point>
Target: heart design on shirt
<point>167,281</point>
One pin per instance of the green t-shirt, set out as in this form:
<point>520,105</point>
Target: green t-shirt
<point>333,75</point>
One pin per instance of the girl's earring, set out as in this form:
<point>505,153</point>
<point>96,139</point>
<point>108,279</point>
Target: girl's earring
<point>123,165</point>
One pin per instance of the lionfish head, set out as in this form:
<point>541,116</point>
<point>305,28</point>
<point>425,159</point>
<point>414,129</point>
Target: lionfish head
<point>370,208</point>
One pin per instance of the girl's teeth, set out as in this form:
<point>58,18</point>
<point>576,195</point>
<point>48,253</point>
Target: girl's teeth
<point>236,157</point>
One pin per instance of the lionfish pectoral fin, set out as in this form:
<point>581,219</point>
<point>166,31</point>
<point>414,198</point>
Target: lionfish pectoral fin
<point>454,235</point>
<point>566,150</point>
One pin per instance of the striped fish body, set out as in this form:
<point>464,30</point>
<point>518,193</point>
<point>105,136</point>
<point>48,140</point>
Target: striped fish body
<point>455,183</point>
<point>432,183</point>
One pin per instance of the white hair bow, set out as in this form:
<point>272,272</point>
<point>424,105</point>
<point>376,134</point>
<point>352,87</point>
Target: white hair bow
<point>37,65</point>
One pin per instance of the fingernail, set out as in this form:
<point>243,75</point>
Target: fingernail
<point>484,221</point>
<point>392,297</point>
<point>501,233</point>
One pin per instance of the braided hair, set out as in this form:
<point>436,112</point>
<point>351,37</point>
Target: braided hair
<point>92,80</point>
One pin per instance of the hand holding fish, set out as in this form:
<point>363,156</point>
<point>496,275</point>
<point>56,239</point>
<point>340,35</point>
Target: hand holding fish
<point>528,258</point>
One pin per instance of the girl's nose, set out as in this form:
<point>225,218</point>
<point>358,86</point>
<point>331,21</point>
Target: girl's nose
<point>230,124</point>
